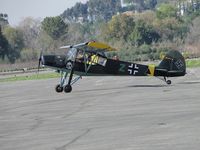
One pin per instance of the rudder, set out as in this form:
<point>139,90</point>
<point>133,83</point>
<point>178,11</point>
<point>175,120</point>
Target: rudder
<point>174,63</point>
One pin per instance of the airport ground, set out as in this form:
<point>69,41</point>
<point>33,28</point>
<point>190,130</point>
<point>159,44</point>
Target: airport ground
<point>102,113</point>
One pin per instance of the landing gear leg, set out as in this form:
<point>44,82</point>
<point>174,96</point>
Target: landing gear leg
<point>70,64</point>
<point>59,88</point>
<point>68,87</point>
<point>169,82</point>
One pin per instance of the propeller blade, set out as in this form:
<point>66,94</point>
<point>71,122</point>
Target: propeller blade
<point>74,46</point>
<point>39,61</point>
<point>66,47</point>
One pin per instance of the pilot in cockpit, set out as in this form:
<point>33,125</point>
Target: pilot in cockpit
<point>80,56</point>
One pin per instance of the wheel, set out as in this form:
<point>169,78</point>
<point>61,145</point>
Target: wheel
<point>69,64</point>
<point>59,88</point>
<point>68,88</point>
<point>169,82</point>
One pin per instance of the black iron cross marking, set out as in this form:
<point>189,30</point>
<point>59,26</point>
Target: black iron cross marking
<point>133,69</point>
<point>179,64</point>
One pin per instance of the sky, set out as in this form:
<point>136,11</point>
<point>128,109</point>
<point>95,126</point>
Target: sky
<point>17,10</point>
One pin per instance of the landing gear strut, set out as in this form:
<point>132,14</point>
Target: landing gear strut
<point>63,86</point>
<point>67,88</point>
<point>169,82</point>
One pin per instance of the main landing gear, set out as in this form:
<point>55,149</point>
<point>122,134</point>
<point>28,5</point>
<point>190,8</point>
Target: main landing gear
<point>66,88</point>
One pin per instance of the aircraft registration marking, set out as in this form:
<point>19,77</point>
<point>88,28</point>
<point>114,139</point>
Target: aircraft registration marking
<point>122,67</point>
<point>102,61</point>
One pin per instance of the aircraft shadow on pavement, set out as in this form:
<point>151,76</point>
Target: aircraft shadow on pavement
<point>190,82</point>
<point>124,87</point>
<point>147,86</point>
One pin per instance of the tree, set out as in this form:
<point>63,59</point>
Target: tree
<point>92,11</point>
<point>119,27</point>
<point>194,34</point>
<point>4,46</point>
<point>131,29</point>
<point>55,27</point>
<point>166,11</point>
<point>103,9</point>
<point>171,29</point>
<point>148,17</point>
<point>45,42</point>
<point>143,34</point>
<point>193,37</point>
<point>80,10</point>
<point>3,19</point>
<point>15,39</point>
<point>30,29</point>
<point>150,4</point>
<point>139,4</point>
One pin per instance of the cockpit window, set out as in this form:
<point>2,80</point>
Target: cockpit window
<point>71,55</point>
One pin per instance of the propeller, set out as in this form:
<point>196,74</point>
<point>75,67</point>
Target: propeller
<point>40,60</point>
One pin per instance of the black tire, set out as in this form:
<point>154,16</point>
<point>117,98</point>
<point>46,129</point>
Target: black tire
<point>59,88</point>
<point>169,82</point>
<point>68,88</point>
<point>69,64</point>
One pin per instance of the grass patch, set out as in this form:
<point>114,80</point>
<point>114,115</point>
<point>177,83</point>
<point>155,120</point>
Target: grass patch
<point>191,63</point>
<point>31,77</point>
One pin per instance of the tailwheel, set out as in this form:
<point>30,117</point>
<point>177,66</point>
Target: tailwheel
<point>68,88</point>
<point>169,82</point>
<point>59,88</point>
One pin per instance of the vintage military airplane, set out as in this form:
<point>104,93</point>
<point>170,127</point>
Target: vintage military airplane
<point>88,59</point>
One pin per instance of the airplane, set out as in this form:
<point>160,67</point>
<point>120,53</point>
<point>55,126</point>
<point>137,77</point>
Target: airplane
<point>89,59</point>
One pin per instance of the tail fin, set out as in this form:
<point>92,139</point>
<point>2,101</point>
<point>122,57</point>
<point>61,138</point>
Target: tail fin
<point>174,63</point>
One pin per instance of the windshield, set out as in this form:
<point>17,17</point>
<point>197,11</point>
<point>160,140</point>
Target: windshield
<point>71,54</point>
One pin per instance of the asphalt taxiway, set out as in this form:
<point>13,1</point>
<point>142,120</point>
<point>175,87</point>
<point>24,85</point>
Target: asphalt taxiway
<point>102,113</point>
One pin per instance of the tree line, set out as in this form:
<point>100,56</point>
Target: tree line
<point>138,35</point>
<point>94,10</point>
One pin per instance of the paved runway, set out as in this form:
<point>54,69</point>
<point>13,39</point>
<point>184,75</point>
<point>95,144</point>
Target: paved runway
<point>102,113</point>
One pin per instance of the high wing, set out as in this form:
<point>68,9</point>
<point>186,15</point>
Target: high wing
<point>98,46</point>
